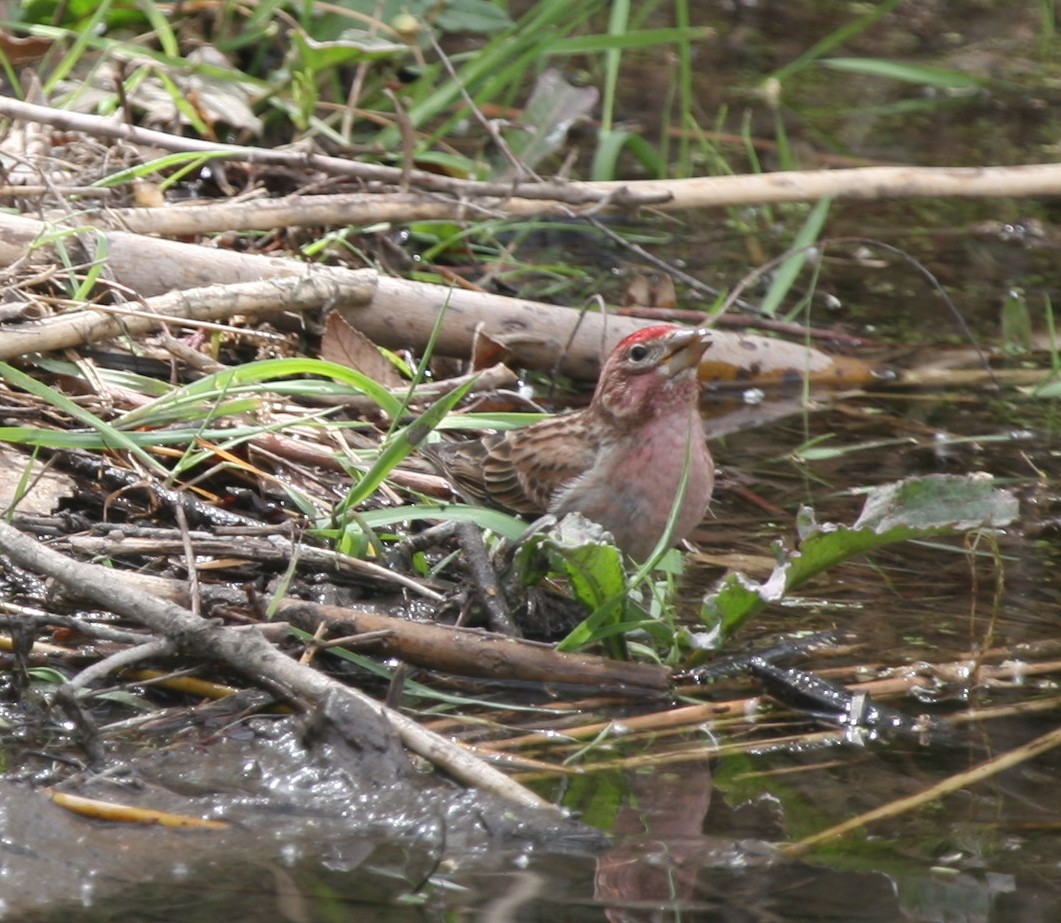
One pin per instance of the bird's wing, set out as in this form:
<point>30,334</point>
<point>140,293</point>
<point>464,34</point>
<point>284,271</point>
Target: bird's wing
<point>462,464</point>
<point>519,470</point>
<point>538,468</point>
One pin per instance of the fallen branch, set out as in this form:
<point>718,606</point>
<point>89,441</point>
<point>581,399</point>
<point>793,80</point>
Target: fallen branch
<point>698,192</point>
<point>250,654</point>
<point>447,649</point>
<point>536,198</point>
<point>856,184</point>
<point>404,313</point>
<point>209,303</point>
<point>468,652</point>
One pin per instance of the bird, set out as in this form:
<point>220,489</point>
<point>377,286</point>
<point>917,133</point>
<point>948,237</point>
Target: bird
<point>621,461</point>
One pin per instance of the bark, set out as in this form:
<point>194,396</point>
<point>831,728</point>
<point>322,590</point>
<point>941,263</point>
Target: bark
<point>461,651</point>
<point>478,653</point>
<point>399,314</point>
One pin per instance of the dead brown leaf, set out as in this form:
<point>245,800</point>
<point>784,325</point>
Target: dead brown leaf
<point>345,345</point>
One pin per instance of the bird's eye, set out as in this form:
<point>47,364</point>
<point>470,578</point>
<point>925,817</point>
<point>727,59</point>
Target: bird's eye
<point>638,352</point>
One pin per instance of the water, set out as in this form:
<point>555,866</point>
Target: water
<point>694,828</point>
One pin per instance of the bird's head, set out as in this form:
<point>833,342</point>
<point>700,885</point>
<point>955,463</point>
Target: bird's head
<point>652,371</point>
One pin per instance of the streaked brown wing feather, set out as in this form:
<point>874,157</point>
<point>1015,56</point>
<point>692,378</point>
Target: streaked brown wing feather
<point>462,464</point>
<point>501,480</point>
<point>518,470</point>
<point>544,461</point>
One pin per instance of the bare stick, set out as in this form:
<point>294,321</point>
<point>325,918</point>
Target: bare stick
<point>859,183</point>
<point>249,653</point>
<point>952,784</point>
<point>100,126</point>
<point>404,312</point>
<point>208,303</point>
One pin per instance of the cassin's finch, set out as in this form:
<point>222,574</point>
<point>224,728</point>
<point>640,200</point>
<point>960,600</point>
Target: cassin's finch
<point>620,461</point>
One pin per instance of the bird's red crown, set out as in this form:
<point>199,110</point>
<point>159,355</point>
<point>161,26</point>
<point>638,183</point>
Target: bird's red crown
<point>648,333</point>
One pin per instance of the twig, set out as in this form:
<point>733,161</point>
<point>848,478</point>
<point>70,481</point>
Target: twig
<point>269,548</point>
<point>520,170</point>
<point>157,647</point>
<point>484,580</point>
<point>97,630</point>
<point>948,786</point>
<point>211,302</point>
<point>308,160</point>
<point>253,656</point>
<point>194,597</point>
<point>858,183</point>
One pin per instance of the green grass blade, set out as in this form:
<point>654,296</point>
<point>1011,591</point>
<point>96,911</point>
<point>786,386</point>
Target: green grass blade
<point>399,446</point>
<point>790,268</point>
<point>503,524</point>
<point>943,78</point>
<point>111,437</point>
<point>189,398</point>
<point>835,39</point>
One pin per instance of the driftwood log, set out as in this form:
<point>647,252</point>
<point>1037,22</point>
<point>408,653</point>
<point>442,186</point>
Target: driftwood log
<point>172,276</point>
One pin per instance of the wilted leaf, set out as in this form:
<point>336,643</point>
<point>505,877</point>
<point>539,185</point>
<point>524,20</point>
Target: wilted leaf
<point>650,288</point>
<point>347,346</point>
<point>19,51</point>
<point>209,92</point>
<point>487,351</point>
<point>220,97</point>
<point>552,109</point>
<point>913,508</point>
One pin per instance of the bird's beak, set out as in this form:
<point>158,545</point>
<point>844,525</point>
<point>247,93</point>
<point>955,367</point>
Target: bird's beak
<point>685,349</point>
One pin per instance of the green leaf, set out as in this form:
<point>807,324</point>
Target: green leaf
<point>580,550</point>
<point>472,16</point>
<point>819,451</point>
<point>352,46</point>
<point>594,566</point>
<point>938,502</point>
<point>629,39</point>
<point>1017,327</point>
<point>913,508</point>
<point>185,162</point>
<point>944,78</point>
<point>47,675</point>
<point>610,144</point>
